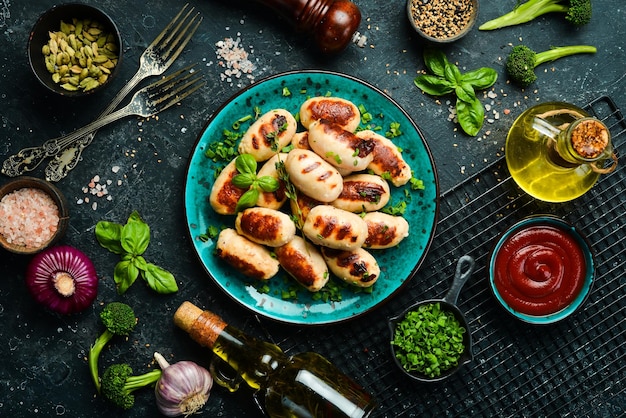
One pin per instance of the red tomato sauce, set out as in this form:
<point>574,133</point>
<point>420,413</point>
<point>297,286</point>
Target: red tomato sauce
<point>539,270</point>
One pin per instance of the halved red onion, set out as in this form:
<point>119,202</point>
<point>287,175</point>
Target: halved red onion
<point>63,279</point>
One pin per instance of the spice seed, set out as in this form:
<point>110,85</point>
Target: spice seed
<point>441,19</point>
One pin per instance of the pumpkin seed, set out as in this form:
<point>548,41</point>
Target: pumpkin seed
<point>69,87</point>
<point>80,55</point>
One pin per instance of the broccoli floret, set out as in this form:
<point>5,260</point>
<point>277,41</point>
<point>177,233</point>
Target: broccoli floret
<point>119,383</point>
<point>521,62</point>
<point>577,12</point>
<point>118,319</point>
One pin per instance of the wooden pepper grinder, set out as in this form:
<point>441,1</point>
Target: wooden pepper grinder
<point>333,23</point>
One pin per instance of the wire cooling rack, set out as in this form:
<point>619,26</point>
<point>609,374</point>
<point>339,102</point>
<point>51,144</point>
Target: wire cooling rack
<point>575,368</point>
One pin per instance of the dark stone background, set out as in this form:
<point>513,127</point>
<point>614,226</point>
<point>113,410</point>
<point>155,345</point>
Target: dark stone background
<point>44,370</point>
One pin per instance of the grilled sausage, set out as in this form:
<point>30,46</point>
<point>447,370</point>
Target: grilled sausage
<point>357,267</point>
<point>265,226</point>
<point>335,228</point>
<point>247,257</point>
<point>339,147</point>
<point>300,140</point>
<point>384,230</point>
<point>363,193</point>
<point>302,205</point>
<point>313,176</point>
<point>272,131</point>
<point>277,198</point>
<point>224,194</point>
<point>387,158</point>
<point>335,109</point>
<point>304,263</point>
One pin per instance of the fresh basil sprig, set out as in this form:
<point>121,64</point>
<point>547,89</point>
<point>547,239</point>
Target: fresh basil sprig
<point>130,241</point>
<point>446,78</point>
<point>248,179</point>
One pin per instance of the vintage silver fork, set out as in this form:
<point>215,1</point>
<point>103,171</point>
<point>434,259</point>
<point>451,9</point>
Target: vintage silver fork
<point>146,102</point>
<point>155,60</point>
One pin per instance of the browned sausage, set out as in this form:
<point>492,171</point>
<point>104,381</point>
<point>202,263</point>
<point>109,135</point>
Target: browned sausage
<point>335,228</point>
<point>387,159</point>
<point>304,263</point>
<point>313,176</point>
<point>268,134</point>
<point>356,267</point>
<point>384,230</point>
<point>265,226</point>
<point>340,147</point>
<point>335,109</point>
<point>224,194</point>
<point>247,257</point>
<point>363,193</point>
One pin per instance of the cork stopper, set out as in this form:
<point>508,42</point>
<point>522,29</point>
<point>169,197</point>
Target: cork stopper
<point>590,137</point>
<point>204,327</point>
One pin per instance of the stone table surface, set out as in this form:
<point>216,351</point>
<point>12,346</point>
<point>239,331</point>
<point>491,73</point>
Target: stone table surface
<point>143,162</point>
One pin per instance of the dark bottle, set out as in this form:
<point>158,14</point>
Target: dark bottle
<point>305,385</point>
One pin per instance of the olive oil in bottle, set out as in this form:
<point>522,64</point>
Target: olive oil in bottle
<point>555,152</point>
<point>305,385</point>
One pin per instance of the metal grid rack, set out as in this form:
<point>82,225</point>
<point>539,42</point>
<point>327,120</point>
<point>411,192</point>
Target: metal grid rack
<point>574,368</point>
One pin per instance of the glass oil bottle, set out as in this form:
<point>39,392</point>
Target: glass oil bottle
<point>556,152</point>
<point>305,385</point>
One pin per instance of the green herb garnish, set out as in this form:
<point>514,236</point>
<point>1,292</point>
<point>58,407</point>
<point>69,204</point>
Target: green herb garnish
<point>394,130</point>
<point>247,179</point>
<point>446,78</point>
<point>130,241</point>
<point>429,340</point>
<point>211,232</point>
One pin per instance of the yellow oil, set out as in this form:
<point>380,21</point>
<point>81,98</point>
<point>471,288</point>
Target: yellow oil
<point>535,165</point>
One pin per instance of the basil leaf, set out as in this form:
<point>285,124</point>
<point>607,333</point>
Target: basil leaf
<point>159,280</point>
<point>435,61</point>
<point>465,92</point>
<point>135,236</point>
<point>125,274</point>
<point>471,116</point>
<point>134,216</point>
<point>452,74</point>
<point>140,263</point>
<point>248,199</point>
<point>109,235</point>
<point>243,181</point>
<point>481,78</point>
<point>268,183</point>
<point>246,164</point>
<point>433,85</point>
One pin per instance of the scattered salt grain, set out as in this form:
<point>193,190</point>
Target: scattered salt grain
<point>98,188</point>
<point>234,60</point>
<point>28,217</point>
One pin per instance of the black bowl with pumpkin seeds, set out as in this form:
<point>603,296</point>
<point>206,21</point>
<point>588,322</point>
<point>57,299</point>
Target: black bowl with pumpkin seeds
<point>74,49</point>
<point>442,21</point>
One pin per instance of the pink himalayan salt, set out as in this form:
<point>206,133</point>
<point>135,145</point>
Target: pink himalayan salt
<point>28,217</point>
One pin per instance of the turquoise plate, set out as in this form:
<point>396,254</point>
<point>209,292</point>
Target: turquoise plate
<point>398,265</point>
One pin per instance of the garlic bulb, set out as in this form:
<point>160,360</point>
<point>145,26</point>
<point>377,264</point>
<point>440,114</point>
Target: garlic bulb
<point>183,388</point>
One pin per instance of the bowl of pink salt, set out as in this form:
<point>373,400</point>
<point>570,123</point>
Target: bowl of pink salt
<point>33,215</point>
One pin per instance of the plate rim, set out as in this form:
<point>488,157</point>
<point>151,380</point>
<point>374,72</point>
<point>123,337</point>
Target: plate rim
<point>300,321</point>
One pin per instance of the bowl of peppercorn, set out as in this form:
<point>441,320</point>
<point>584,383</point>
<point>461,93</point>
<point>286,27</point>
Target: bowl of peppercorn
<point>74,49</point>
<point>442,21</point>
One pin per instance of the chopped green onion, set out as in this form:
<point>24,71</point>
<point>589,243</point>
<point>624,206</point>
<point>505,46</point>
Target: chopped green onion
<point>429,340</point>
